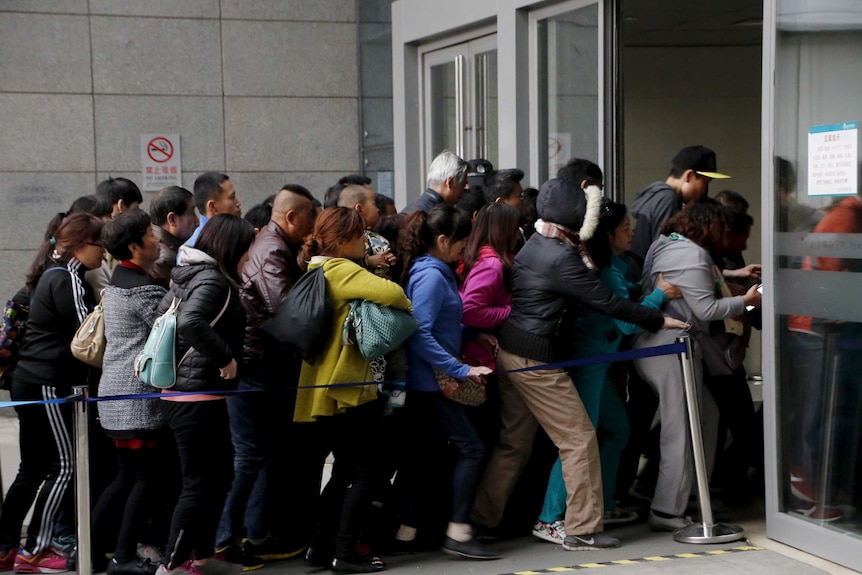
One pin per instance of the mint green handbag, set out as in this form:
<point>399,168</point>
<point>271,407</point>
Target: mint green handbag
<point>376,329</point>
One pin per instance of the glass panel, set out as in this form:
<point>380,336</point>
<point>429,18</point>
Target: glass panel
<point>443,136</point>
<point>568,51</point>
<point>486,120</point>
<point>818,246</point>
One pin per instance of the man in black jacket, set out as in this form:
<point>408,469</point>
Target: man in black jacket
<point>257,419</point>
<point>551,279</point>
<point>446,180</point>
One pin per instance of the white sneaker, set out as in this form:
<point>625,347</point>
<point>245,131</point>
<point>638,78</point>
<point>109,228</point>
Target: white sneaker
<point>551,532</point>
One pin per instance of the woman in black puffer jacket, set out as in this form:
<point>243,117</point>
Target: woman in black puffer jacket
<point>210,332</point>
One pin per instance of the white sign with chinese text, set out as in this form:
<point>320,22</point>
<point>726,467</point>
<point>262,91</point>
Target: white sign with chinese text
<point>160,157</point>
<point>833,160</point>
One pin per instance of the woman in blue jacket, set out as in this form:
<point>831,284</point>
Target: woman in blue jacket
<point>429,243</point>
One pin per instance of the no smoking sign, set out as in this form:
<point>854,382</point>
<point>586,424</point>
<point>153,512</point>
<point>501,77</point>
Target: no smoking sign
<point>160,157</point>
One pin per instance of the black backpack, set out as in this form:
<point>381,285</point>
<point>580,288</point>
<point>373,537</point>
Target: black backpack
<point>303,320</point>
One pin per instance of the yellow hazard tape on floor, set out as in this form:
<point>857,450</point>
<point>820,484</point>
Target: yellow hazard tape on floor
<point>637,561</point>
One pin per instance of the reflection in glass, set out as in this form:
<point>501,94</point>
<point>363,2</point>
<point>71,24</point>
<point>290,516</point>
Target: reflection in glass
<point>818,80</point>
<point>442,104</point>
<point>486,106</point>
<point>568,100</point>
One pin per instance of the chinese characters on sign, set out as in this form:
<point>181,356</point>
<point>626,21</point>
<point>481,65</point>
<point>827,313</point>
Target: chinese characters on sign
<point>832,160</point>
<point>160,157</point>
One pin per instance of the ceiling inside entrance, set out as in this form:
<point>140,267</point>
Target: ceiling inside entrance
<point>692,22</point>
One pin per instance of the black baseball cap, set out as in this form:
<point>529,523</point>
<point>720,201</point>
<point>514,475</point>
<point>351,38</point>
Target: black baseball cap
<point>700,159</point>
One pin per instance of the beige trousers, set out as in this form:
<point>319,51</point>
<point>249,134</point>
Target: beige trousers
<point>547,398</point>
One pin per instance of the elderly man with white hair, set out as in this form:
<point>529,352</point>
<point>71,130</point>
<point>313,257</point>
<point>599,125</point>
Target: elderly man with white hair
<point>447,177</point>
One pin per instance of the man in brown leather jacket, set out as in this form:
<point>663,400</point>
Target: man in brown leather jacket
<point>260,435</point>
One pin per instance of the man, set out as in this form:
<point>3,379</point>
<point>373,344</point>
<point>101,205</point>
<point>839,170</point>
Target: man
<point>214,194</point>
<point>172,211</point>
<point>447,178</point>
<point>122,193</point>
<point>693,169</point>
<point>330,198</point>
<point>257,419</point>
<point>505,186</point>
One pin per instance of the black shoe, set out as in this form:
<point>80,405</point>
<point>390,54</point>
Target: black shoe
<point>135,567</point>
<point>473,549</point>
<point>317,557</point>
<point>360,564</point>
<point>271,549</point>
<point>230,554</point>
<point>592,542</point>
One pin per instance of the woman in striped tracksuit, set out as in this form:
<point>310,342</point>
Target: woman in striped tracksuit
<point>60,300</point>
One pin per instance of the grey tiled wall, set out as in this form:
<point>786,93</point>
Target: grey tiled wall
<point>268,91</point>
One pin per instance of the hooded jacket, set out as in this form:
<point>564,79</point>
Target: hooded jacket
<point>433,289</point>
<point>487,303</point>
<point>689,267</point>
<point>550,282</point>
<point>652,207</point>
<point>60,302</point>
<point>203,291</point>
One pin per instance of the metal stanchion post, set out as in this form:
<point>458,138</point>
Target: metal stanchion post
<point>82,482</point>
<point>706,531</point>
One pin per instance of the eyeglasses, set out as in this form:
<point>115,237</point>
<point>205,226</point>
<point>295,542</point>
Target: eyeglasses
<point>97,244</point>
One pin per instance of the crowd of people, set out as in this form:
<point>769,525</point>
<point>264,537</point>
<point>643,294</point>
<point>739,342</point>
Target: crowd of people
<point>428,441</point>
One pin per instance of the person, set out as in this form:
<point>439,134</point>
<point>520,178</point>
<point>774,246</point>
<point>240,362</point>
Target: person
<point>378,253</point>
<point>597,334</point>
<point>256,423</point>
<point>552,277</point>
<point>429,243</point>
<point>129,307</point>
<point>172,211</point>
<point>344,418</point>
<point>122,193</point>
<point>692,169</point>
<point>209,333</point>
<point>473,197</point>
<point>385,205</point>
<point>528,212</point>
<point>505,186</point>
<point>446,180</point>
<point>46,370</point>
<point>214,194</point>
<point>681,255</point>
<point>330,198</point>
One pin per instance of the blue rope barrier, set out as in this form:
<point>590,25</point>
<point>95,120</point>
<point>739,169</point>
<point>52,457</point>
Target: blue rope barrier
<point>668,349</point>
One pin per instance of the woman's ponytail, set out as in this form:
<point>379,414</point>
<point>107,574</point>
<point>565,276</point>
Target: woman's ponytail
<point>414,239</point>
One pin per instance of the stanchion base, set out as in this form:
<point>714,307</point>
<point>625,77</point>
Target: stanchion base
<point>701,534</point>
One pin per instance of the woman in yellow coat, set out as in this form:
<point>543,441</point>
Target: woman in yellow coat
<point>346,418</point>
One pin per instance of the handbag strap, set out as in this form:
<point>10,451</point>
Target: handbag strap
<point>212,324</point>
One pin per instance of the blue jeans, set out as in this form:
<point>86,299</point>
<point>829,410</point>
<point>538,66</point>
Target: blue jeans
<point>252,434</point>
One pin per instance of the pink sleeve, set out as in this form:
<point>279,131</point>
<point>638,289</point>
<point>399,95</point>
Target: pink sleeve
<point>485,299</point>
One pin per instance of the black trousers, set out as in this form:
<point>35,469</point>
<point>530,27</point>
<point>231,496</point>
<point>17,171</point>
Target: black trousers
<point>202,433</point>
<point>47,461</point>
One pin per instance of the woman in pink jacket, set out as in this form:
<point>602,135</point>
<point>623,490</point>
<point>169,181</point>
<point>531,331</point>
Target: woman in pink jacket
<point>487,298</point>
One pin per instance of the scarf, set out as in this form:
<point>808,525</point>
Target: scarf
<point>568,237</point>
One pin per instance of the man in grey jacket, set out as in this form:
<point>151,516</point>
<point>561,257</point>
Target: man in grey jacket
<point>692,170</point>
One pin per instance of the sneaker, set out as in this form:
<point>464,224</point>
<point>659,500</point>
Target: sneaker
<point>134,567</point>
<point>473,549</point>
<point>358,564</point>
<point>551,532</point>
<point>65,544</point>
<point>591,542</point>
<point>151,552</point>
<point>823,513</point>
<point>271,549</point>
<point>659,523</point>
<point>619,515</point>
<point>184,569</point>
<point>230,554</point>
<point>215,566</point>
<point>7,559</point>
<point>48,560</point>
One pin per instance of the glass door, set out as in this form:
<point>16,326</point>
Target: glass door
<point>460,100</point>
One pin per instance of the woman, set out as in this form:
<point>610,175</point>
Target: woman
<point>599,334</point>
<point>210,333</point>
<point>346,417</point>
<point>129,305</point>
<point>60,300</point>
<point>429,243</point>
<point>681,254</point>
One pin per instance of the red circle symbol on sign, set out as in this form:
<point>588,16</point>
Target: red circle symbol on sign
<point>160,150</point>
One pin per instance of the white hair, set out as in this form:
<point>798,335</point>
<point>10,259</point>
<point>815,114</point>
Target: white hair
<point>446,165</point>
